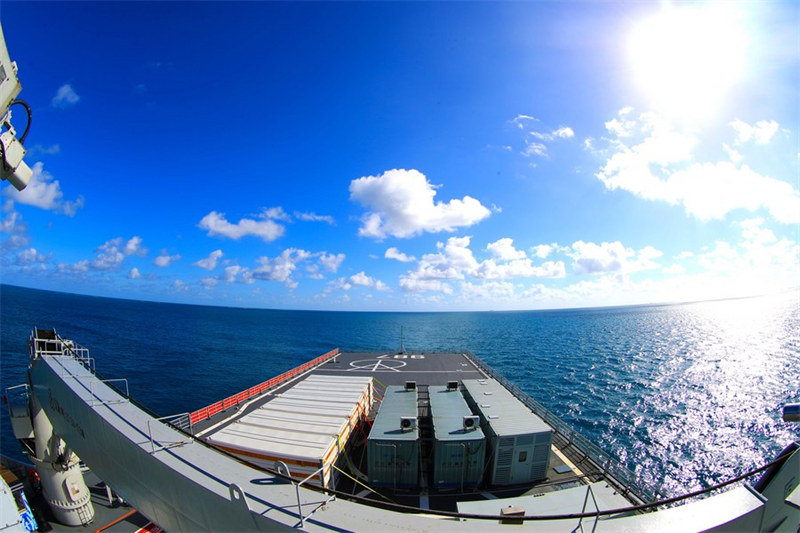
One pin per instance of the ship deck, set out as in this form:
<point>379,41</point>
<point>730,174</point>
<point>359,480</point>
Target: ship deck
<point>568,468</point>
<point>184,484</point>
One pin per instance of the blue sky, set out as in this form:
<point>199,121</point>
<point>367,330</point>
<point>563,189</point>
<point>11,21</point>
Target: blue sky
<point>406,156</point>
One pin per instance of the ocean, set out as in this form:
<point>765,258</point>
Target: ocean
<point>685,395</point>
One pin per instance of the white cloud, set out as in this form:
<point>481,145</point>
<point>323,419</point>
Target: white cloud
<point>164,260</point>
<point>733,154</point>
<point>134,246</point>
<point>80,267</point>
<point>282,267</point>
<point>761,132</point>
<point>455,261</point>
<point>362,280</point>
<point>712,190</point>
<point>16,229</point>
<point>276,213</point>
<point>644,259</point>
<point>208,282</point>
<point>331,262</point>
<point>504,250</point>
<point>754,232</point>
<point>313,217</point>
<point>134,273</point>
<point>521,120</point>
<point>542,251</point>
<point>312,271</point>
<point>233,272</point>
<point>611,257</point>
<point>216,224</point>
<point>534,148</point>
<point>519,268</point>
<point>65,97</point>
<point>210,262</point>
<point>674,269</point>
<point>536,142</point>
<point>450,262</point>
<point>660,167</point>
<point>488,290</point>
<point>394,253</point>
<point>180,286</point>
<point>621,127</point>
<point>425,285</point>
<point>400,204</point>
<point>30,257</point>
<point>109,256</point>
<point>38,149</point>
<point>564,132</point>
<point>45,193</point>
<point>590,258</point>
<point>112,253</point>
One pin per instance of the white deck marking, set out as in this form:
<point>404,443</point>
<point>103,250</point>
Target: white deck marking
<point>373,365</point>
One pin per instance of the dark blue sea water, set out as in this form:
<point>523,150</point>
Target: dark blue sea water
<point>685,395</point>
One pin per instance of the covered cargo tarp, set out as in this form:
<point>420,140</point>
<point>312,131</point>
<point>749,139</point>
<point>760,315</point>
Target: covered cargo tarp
<point>305,427</point>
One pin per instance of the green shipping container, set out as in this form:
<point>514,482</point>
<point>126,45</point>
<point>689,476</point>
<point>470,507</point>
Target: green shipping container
<point>460,446</point>
<point>393,442</point>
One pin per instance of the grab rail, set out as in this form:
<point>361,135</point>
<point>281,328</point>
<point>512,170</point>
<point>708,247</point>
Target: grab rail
<point>236,399</point>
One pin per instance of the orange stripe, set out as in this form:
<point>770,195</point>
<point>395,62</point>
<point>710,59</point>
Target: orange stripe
<point>117,521</point>
<point>255,455</point>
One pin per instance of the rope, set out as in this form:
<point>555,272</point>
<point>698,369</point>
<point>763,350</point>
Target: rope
<point>632,508</point>
<point>363,485</point>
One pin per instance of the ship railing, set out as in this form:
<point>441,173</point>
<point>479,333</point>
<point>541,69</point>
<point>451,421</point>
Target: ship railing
<point>98,401</point>
<point>59,347</point>
<point>182,421</point>
<point>283,468</point>
<point>241,397</point>
<point>17,394</point>
<point>611,468</point>
<point>157,446</point>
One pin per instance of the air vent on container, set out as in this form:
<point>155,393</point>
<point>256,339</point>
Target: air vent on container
<point>471,422</point>
<point>408,423</point>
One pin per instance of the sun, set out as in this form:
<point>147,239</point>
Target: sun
<point>686,59</point>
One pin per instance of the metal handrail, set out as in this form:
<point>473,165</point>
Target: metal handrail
<point>589,492</point>
<point>26,393</point>
<point>297,490</point>
<point>108,402</point>
<point>172,444</point>
<point>281,465</point>
<point>181,421</point>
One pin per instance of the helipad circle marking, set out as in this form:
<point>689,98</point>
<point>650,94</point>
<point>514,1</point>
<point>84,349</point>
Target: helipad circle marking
<point>374,365</point>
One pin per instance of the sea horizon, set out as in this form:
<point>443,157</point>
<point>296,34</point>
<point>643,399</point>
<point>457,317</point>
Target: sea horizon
<point>436,311</point>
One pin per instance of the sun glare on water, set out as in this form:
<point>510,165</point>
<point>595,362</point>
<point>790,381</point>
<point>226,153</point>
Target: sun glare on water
<point>687,58</point>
